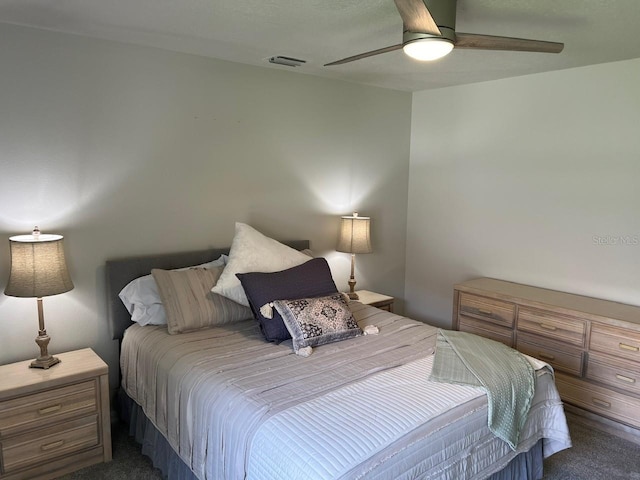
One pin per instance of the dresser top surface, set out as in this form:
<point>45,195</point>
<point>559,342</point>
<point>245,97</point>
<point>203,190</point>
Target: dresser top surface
<point>542,296</point>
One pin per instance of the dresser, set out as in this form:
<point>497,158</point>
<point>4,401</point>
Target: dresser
<point>592,344</point>
<point>54,421</point>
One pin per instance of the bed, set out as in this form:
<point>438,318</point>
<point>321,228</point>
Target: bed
<point>223,403</point>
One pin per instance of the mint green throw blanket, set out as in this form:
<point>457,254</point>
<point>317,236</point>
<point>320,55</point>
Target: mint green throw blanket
<point>504,373</point>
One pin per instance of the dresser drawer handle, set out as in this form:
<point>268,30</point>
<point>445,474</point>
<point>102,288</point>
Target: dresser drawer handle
<point>601,403</point>
<point>51,409</point>
<point>631,348</point>
<point>485,312</point>
<point>624,378</point>
<point>544,326</point>
<point>546,356</point>
<point>52,445</point>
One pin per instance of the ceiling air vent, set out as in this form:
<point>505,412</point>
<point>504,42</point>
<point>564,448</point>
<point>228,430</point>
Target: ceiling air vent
<point>288,61</point>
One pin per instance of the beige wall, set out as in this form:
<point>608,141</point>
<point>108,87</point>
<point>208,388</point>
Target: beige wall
<point>531,179</point>
<point>129,150</point>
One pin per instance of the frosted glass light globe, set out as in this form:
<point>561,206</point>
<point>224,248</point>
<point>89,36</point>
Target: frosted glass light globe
<point>425,49</point>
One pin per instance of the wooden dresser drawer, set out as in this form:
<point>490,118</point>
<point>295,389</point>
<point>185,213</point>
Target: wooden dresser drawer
<point>552,325</point>
<point>603,401</point>
<point>487,330</point>
<point>560,357</point>
<point>489,309</point>
<point>620,342</point>
<point>614,372</point>
<point>46,407</point>
<point>39,446</point>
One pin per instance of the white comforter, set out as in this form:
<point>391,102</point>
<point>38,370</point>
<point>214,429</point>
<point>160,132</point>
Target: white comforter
<point>235,407</point>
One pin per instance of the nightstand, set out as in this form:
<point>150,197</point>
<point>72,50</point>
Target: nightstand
<point>54,421</point>
<point>383,302</point>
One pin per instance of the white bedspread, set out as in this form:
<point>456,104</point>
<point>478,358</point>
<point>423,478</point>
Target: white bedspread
<point>234,406</point>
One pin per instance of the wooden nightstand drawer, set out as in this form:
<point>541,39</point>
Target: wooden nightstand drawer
<point>614,372</point>
<point>603,401</point>
<point>560,357</point>
<point>39,446</point>
<point>489,309</point>
<point>552,325</point>
<point>43,408</point>
<point>620,342</point>
<point>487,330</point>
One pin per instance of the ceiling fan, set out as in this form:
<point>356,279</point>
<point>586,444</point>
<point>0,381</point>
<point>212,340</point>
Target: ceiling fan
<point>430,33</point>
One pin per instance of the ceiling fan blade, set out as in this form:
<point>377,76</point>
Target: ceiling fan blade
<point>365,55</point>
<point>416,17</point>
<point>490,42</point>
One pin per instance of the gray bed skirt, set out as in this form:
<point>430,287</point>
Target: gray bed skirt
<point>526,466</point>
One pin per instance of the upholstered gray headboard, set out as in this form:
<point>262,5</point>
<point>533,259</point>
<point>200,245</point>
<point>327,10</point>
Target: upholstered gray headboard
<point>121,271</point>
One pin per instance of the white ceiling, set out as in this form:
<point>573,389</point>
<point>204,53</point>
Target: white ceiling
<point>320,31</point>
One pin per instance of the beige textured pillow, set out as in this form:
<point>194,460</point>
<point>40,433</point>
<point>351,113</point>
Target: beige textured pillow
<point>189,302</point>
<point>251,251</point>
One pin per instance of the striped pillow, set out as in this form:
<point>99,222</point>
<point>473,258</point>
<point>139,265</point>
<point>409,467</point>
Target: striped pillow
<point>189,302</point>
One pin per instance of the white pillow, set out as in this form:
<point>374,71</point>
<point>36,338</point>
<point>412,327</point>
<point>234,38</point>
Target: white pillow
<point>251,251</point>
<point>142,298</point>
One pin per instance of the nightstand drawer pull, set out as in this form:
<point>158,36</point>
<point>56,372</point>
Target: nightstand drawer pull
<point>551,328</point>
<point>546,356</point>
<point>631,348</point>
<point>52,445</point>
<point>601,403</point>
<point>51,409</point>
<point>485,311</point>
<point>624,378</point>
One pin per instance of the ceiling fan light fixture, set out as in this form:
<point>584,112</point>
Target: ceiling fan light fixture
<point>429,48</point>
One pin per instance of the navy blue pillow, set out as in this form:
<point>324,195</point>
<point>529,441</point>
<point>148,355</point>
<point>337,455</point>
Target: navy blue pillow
<point>311,279</point>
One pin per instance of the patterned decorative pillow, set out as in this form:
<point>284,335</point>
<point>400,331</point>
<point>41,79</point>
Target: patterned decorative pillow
<point>317,321</point>
<point>189,302</point>
<point>311,279</point>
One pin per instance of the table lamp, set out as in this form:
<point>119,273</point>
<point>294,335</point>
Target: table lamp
<point>38,269</point>
<point>354,238</point>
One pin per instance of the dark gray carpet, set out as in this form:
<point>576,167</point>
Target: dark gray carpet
<point>128,462</point>
<point>595,455</point>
